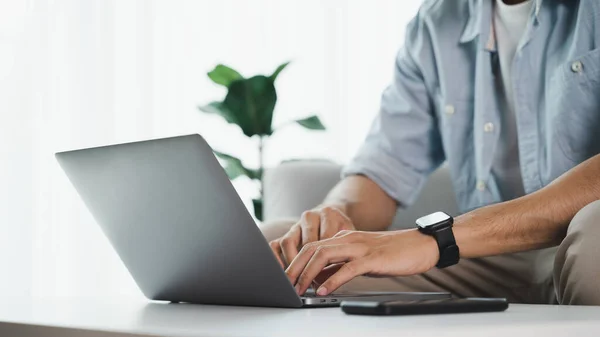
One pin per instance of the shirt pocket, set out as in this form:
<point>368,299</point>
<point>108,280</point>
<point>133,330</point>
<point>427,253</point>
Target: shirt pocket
<point>574,101</point>
<point>456,125</point>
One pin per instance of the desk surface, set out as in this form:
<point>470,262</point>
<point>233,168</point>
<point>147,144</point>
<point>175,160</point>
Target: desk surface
<point>94,317</point>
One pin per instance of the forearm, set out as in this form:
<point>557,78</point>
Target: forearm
<point>535,221</point>
<point>364,202</point>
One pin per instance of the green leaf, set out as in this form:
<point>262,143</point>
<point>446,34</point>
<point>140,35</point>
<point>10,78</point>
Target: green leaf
<point>220,109</point>
<point>225,156</point>
<point>234,167</point>
<point>258,208</point>
<point>278,70</point>
<point>254,174</point>
<point>251,103</point>
<point>224,75</point>
<point>234,171</point>
<point>311,123</point>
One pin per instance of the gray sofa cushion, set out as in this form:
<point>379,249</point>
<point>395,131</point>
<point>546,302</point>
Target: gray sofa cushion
<point>294,187</point>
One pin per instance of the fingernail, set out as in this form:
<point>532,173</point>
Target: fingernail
<point>322,291</point>
<point>297,289</point>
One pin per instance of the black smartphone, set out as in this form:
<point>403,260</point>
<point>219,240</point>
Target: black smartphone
<point>425,307</point>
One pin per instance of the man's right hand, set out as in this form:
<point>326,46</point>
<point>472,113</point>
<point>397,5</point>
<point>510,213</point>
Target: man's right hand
<point>318,224</point>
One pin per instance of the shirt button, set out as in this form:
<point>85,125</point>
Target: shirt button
<point>577,67</point>
<point>449,109</point>
<point>488,127</point>
<point>481,185</point>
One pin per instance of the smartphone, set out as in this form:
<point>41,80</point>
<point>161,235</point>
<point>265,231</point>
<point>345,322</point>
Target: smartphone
<point>425,307</point>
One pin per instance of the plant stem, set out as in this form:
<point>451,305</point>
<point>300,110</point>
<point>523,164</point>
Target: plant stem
<point>261,168</point>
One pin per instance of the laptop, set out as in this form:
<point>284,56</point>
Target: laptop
<point>175,220</point>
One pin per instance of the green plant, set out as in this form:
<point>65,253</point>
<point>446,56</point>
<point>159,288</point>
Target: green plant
<point>249,104</point>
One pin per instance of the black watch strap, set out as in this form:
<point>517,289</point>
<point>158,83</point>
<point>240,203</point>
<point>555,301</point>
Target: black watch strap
<point>449,253</point>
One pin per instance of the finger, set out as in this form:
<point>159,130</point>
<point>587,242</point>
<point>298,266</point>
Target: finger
<point>310,223</point>
<point>332,221</point>
<point>325,274</point>
<point>329,225</point>
<point>324,256</point>
<point>306,253</point>
<point>289,244</point>
<point>276,248</point>
<point>299,263</point>
<point>346,273</point>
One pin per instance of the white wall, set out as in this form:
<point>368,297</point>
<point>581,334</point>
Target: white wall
<point>77,73</point>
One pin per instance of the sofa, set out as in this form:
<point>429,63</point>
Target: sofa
<point>294,187</point>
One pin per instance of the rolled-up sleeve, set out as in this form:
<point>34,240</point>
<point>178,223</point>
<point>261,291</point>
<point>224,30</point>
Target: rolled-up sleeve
<point>403,145</point>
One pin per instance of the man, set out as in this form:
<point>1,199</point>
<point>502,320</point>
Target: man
<point>508,94</point>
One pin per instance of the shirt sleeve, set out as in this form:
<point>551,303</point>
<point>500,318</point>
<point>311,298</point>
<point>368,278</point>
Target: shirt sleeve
<point>403,145</point>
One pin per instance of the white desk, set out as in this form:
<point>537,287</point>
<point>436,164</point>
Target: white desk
<point>25,317</point>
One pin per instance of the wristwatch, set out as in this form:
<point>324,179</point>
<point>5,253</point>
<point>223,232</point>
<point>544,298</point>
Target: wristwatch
<point>439,225</point>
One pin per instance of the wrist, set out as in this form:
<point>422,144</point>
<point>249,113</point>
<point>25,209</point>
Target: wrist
<point>424,246</point>
<point>431,249</point>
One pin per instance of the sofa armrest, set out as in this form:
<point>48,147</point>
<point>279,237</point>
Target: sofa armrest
<point>295,187</point>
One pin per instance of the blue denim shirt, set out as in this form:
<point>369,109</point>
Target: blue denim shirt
<point>444,102</point>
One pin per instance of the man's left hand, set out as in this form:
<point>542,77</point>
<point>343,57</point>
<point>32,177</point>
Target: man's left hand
<point>398,253</point>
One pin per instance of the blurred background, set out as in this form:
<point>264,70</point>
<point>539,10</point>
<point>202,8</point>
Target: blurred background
<point>81,73</point>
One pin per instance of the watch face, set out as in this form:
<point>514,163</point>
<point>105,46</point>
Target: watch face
<point>434,219</point>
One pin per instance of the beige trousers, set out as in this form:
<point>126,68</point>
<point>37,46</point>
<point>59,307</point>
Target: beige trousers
<point>568,274</point>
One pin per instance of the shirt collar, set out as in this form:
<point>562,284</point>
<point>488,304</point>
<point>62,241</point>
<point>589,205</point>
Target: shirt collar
<point>478,12</point>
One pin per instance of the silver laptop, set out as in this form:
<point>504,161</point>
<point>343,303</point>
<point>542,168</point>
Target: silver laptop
<point>180,228</point>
